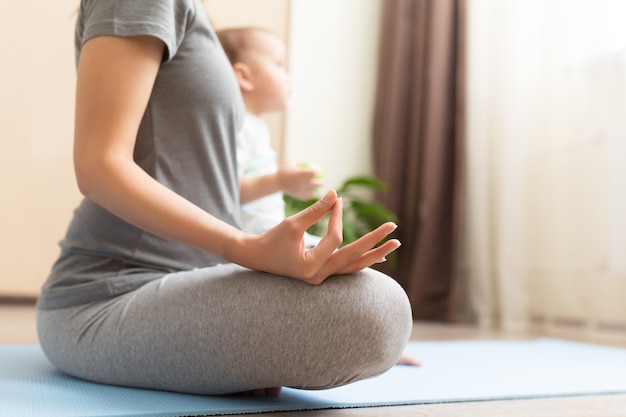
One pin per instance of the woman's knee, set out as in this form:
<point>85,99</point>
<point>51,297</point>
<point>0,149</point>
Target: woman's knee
<point>367,325</point>
<point>383,315</point>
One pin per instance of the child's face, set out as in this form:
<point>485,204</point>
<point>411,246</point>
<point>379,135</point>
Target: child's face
<point>266,61</point>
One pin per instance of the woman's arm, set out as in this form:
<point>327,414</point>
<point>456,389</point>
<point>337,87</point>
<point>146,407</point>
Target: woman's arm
<point>114,82</point>
<point>115,79</point>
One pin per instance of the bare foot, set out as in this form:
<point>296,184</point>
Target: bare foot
<point>409,360</point>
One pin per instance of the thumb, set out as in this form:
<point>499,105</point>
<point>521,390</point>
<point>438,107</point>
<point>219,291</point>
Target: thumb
<point>316,211</point>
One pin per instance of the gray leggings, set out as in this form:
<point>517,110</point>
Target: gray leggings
<point>228,329</point>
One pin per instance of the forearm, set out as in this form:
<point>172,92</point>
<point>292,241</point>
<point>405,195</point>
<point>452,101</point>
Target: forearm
<point>124,189</point>
<point>253,188</point>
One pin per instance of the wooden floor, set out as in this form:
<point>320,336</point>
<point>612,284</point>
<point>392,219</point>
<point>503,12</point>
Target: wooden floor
<point>17,326</point>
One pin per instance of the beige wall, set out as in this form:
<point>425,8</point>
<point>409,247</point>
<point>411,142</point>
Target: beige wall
<point>36,107</point>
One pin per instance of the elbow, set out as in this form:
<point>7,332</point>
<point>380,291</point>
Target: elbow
<point>97,163</point>
<point>87,173</point>
<point>83,181</point>
<point>95,172</point>
<point>95,176</point>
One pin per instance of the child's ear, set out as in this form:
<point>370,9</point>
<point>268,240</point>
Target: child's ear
<point>242,72</point>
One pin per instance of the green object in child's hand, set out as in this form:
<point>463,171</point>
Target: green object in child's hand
<point>311,165</point>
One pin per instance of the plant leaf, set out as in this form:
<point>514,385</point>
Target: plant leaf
<point>364,181</point>
<point>373,210</point>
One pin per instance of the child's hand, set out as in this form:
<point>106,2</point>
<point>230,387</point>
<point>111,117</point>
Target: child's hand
<point>300,180</point>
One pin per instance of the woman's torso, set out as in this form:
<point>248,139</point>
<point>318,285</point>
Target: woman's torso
<point>185,141</point>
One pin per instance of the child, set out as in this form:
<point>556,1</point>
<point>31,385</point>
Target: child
<point>258,59</point>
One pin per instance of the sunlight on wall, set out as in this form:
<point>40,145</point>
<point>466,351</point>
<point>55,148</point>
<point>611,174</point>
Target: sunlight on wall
<point>333,62</point>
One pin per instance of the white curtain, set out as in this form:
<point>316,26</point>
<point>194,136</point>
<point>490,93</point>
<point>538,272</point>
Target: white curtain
<point>545,238</point>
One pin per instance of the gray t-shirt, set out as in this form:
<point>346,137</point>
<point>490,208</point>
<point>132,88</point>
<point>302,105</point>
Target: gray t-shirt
<point>186,141</point>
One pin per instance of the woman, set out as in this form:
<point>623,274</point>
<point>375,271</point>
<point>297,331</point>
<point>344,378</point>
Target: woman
<point>155,286</point>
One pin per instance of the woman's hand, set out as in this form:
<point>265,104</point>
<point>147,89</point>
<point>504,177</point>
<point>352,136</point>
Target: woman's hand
<point>282,251</point>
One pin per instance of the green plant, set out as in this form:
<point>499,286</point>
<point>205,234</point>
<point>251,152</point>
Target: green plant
<point>361,213</point>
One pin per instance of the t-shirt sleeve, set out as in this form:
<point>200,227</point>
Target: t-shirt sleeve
<point>166,20</point>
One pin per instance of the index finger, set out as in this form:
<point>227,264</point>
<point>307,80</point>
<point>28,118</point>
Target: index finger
<point>316,211</point>
<point>333,237</point>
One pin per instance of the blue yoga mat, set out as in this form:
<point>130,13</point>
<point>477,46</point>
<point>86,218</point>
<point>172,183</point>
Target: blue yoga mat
<point>453,371</point>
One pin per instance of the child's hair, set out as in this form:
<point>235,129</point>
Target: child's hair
<point>237,40</point>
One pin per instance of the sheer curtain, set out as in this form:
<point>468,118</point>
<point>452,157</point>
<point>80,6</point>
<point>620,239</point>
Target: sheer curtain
<point>545,235</point>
